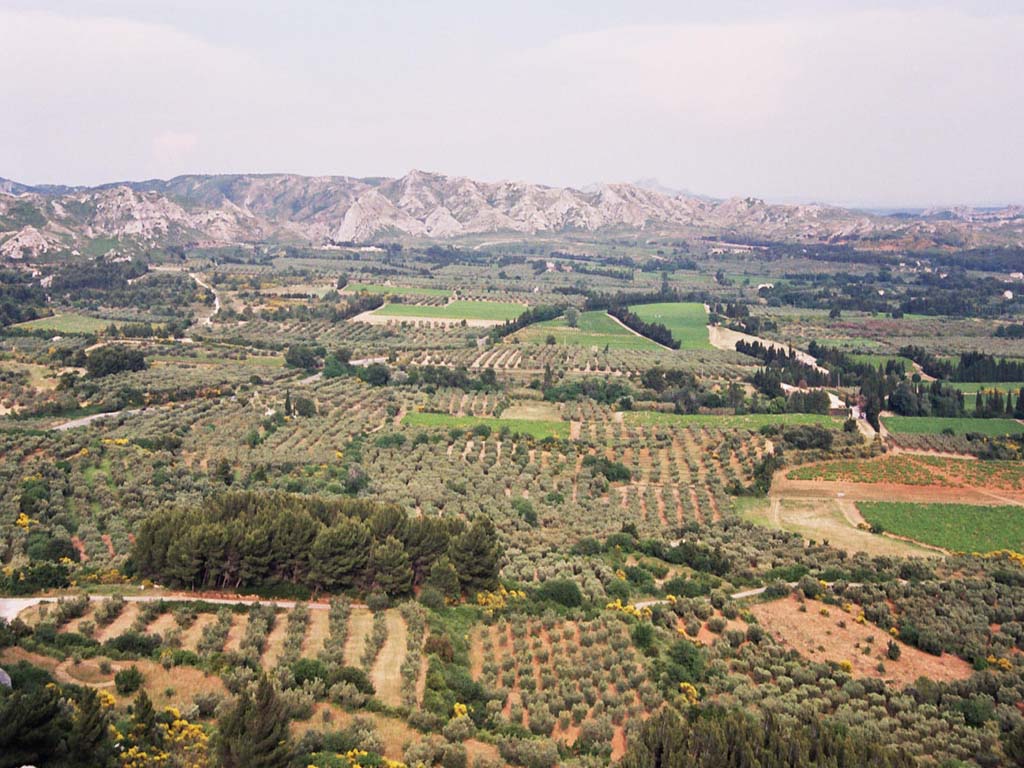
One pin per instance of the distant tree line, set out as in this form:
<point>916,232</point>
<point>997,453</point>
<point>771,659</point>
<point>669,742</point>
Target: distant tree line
<point>1010,331</point>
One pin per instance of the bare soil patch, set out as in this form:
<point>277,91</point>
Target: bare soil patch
<point>820,638</point>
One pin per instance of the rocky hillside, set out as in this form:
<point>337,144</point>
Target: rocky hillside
<point>215,210</point>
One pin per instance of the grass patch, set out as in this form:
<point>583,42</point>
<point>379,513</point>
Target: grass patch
<point>70,323</point>
<point>750,421</point>
<point>934,425</point>
<point>457,310</point>
<point>688,321</point>
<point>594,329</point>
<point>877,360</point>
<point>958,527</point>
<point>535,428</point>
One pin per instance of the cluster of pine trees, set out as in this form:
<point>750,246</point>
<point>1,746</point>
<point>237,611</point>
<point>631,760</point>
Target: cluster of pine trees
<point>254,540</point>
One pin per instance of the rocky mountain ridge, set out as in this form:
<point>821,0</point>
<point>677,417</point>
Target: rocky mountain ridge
<point>318,210</point>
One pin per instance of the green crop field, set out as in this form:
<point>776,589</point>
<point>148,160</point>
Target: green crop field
<point>395,290</point>
<point>66,323</point>
<point>457,310</point>
<point>973,386</point>
<point>594,329</point>
<point>688,322</point>
<point>957,527</point>
<point>934,425</point>
<point>535,428</point>
<point>876,360</point>
<point>750,421</point>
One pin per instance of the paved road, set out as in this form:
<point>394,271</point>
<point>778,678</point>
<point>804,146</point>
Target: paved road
<point>94,417</point>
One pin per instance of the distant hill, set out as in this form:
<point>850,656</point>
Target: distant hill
<point>245,208</point>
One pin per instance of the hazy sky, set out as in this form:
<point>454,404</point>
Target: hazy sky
<point>900,103</point>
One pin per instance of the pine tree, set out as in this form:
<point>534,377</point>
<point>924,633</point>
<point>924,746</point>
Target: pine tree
<point>476,556</point>
<point>144,721</point>
<point>254,733</point>
<point>339,555</point>
<point>89,740</point>
<point>426,541</point>
<point>392,571</point>
<point>32,728</point>
<point>444,578</point>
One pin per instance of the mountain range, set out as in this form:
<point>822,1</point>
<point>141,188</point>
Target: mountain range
<point>207,210</point>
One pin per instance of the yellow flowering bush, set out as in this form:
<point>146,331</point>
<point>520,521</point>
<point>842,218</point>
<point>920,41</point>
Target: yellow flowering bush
<point>498,599</point>
<point>629,609</point>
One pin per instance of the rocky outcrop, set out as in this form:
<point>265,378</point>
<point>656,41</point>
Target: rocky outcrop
<point>320,209</point>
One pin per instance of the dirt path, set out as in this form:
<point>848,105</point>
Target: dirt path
<point>726,338</point>
<point>208,320</point>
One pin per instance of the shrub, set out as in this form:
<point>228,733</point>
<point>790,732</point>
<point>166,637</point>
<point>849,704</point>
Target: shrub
<point>565,592</point>
<point>128,680</point>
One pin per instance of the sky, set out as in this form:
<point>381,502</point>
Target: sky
<point>895,104</point>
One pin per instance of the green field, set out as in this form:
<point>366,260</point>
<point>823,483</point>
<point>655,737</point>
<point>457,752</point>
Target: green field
<point>67,323</point>
<point>688,322</point>
<point>973,386</point>
<point>933,425</point>
<point>750,421</point>
<point>457,310</point>
<point>395,290</point>
<point>876,360</point>
<point>957,527</point>
<point>534,428</point>
<point>594,329</point>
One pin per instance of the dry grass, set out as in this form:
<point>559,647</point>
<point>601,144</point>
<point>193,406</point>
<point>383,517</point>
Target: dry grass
<point>386,673</point>
<point>822,519</point>
<point>162,625</point>
<point>120,625</point>
<point>820,638</point>
<point>275,642</point>
<point>238,624</point>
<point>396,734</point>
<point>316,632</point>
<point>190,637</point>
<point>14,654</point>
<point>360,623</point>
